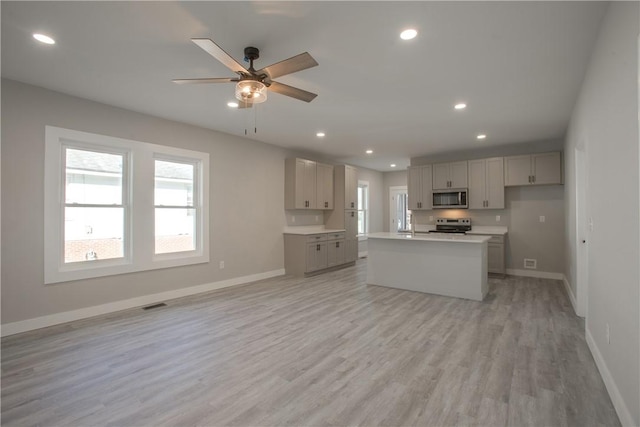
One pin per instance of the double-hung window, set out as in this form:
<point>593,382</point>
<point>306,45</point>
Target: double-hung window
<point>363,207</point>
<point>116,206</point>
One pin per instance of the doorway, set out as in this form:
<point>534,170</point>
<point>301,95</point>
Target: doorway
<point>400,218</point>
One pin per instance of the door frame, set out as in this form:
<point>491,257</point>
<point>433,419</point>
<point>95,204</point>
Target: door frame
<point>581,230</point>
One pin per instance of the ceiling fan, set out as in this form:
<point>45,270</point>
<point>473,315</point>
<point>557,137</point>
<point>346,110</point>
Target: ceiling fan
<point>252,85</point>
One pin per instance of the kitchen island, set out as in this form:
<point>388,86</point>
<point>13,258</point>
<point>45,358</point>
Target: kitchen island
<point>444,264</point>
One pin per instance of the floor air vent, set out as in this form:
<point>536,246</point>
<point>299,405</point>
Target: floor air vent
<point>530,263</point>
<point>150,307</point>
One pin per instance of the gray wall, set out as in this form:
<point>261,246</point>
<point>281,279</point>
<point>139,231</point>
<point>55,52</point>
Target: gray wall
<point>246,197</point>
<point>391,179</point>
<point>528,237</point>
<point>605,124</point>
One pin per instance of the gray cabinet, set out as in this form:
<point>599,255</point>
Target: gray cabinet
<point>533,169</point>
<point>308,185</point>
<point>312,253</point>
<point>324,186</point>
<point>419,187</point>
<point>450,175</point>
<point>345,214</point>
<point>495,253</point>
<point>486,183</point>
<point>351,235</point>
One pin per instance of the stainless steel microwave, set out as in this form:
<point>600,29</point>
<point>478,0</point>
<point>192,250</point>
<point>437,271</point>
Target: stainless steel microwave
<point>450,199</point>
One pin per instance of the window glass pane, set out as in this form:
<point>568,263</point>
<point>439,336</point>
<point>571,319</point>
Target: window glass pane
<point>175,230</point>
<point>93,177</point>
<point>360,197</point>
<point>173,183</point>
<point>93,234</point>
<point>361,223</point>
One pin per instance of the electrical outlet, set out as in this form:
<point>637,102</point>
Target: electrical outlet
<point>590,224</point>
<point>542,218</point>
<point>293,219</point>
<point>221,265</point>
<point>430,217</point>
<point>317,218</point>
<point>497,218</point>
<point>608,335</point>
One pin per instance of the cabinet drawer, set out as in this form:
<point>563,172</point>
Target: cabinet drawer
<point>336,236</point>
<point>317,238</point>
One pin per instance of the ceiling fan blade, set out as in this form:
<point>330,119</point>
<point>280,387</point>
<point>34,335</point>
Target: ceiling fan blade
<point>206,80</point>
<point>216,51</point>
<point>291,91</point>
<point>288,66</point>
<point>242,104</point>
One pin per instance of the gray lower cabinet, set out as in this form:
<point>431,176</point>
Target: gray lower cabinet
<point>307,254</point>
<point>496,254</point>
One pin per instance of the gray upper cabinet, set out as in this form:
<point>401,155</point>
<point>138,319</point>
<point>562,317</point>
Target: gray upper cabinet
<point>350,187</point>
<point>533,169</point>
<point>324,186</point>
<point>308,185</point>
<point>450,175</point>
<point>419,186</point>
<point>486,183</point>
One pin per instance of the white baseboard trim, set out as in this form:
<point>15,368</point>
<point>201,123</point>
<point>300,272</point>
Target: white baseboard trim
<point>535,273</point>
<point>97,310</point>
<point>572,297</point>
<point>616,398</point>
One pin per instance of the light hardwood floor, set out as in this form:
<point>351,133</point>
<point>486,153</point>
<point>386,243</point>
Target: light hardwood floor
<point>328,350</point>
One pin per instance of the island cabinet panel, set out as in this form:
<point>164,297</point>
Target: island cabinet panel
<point>300,184</point>
<point>533,169</point>
<point>419,186</point>
<point>324,186</point>
<point>450,175</point>
<point>486,183</point>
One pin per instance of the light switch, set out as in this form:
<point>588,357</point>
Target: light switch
<point>542,218</point>
<point>590,224</point>
<point>497,218</point>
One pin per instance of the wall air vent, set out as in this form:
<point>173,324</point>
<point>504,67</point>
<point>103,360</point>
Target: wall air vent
<point>530,263</point>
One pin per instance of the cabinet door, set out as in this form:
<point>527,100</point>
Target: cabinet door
<point>458,175</point>
<point>477,184</point>
<point>426,180</point>
<point>324,186</point>
<point>517,170</point>
<point>495,183</point>
<point>495,257</point>
<point>299,187</point>
<point>441,176</point>
<point>335,253</point>
<point>414,188</point>
<point>316,256</point>
<point>351,235</point>
<point>350,187</point>
<point>546,168</point>
<point>310,184</point>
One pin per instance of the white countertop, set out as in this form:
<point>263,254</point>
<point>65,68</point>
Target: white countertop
<point>439,237</point>
<point>311,229</point>
<point>488,229</point>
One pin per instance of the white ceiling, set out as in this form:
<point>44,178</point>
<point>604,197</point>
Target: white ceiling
<point>518,66</point>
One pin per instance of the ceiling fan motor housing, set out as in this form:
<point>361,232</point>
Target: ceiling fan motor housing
<point>251,53</point>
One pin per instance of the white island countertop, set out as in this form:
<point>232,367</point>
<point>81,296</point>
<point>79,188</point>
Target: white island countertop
<point>495,230</point>
<point>439,237</point>
<point>311,229</point>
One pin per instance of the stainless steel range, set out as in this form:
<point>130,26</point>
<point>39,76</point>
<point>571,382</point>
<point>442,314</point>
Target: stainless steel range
<point>451,225</point>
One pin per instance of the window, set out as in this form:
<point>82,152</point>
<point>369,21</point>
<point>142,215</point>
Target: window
<point>399,209</point>
<point>115,206</point>
<point>363,207</point>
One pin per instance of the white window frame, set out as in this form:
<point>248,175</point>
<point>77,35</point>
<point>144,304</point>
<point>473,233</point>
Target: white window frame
<point>365,209</point>
<point>138,200</point>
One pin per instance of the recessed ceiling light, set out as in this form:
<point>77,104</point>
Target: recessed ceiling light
<point>460,106</point>
<point>320,134</point>
<point>481,136</point>
<point>232,104</point>
<point>393,165</point>
<point>369,151</point>
<point>408,34</point>
<point>44,39</point>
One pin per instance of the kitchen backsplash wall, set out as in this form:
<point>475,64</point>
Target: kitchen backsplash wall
<point>301,218</point>
<point>528,237</point>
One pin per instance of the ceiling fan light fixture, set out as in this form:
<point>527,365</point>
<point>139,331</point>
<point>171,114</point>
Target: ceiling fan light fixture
<point>251,91</point>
